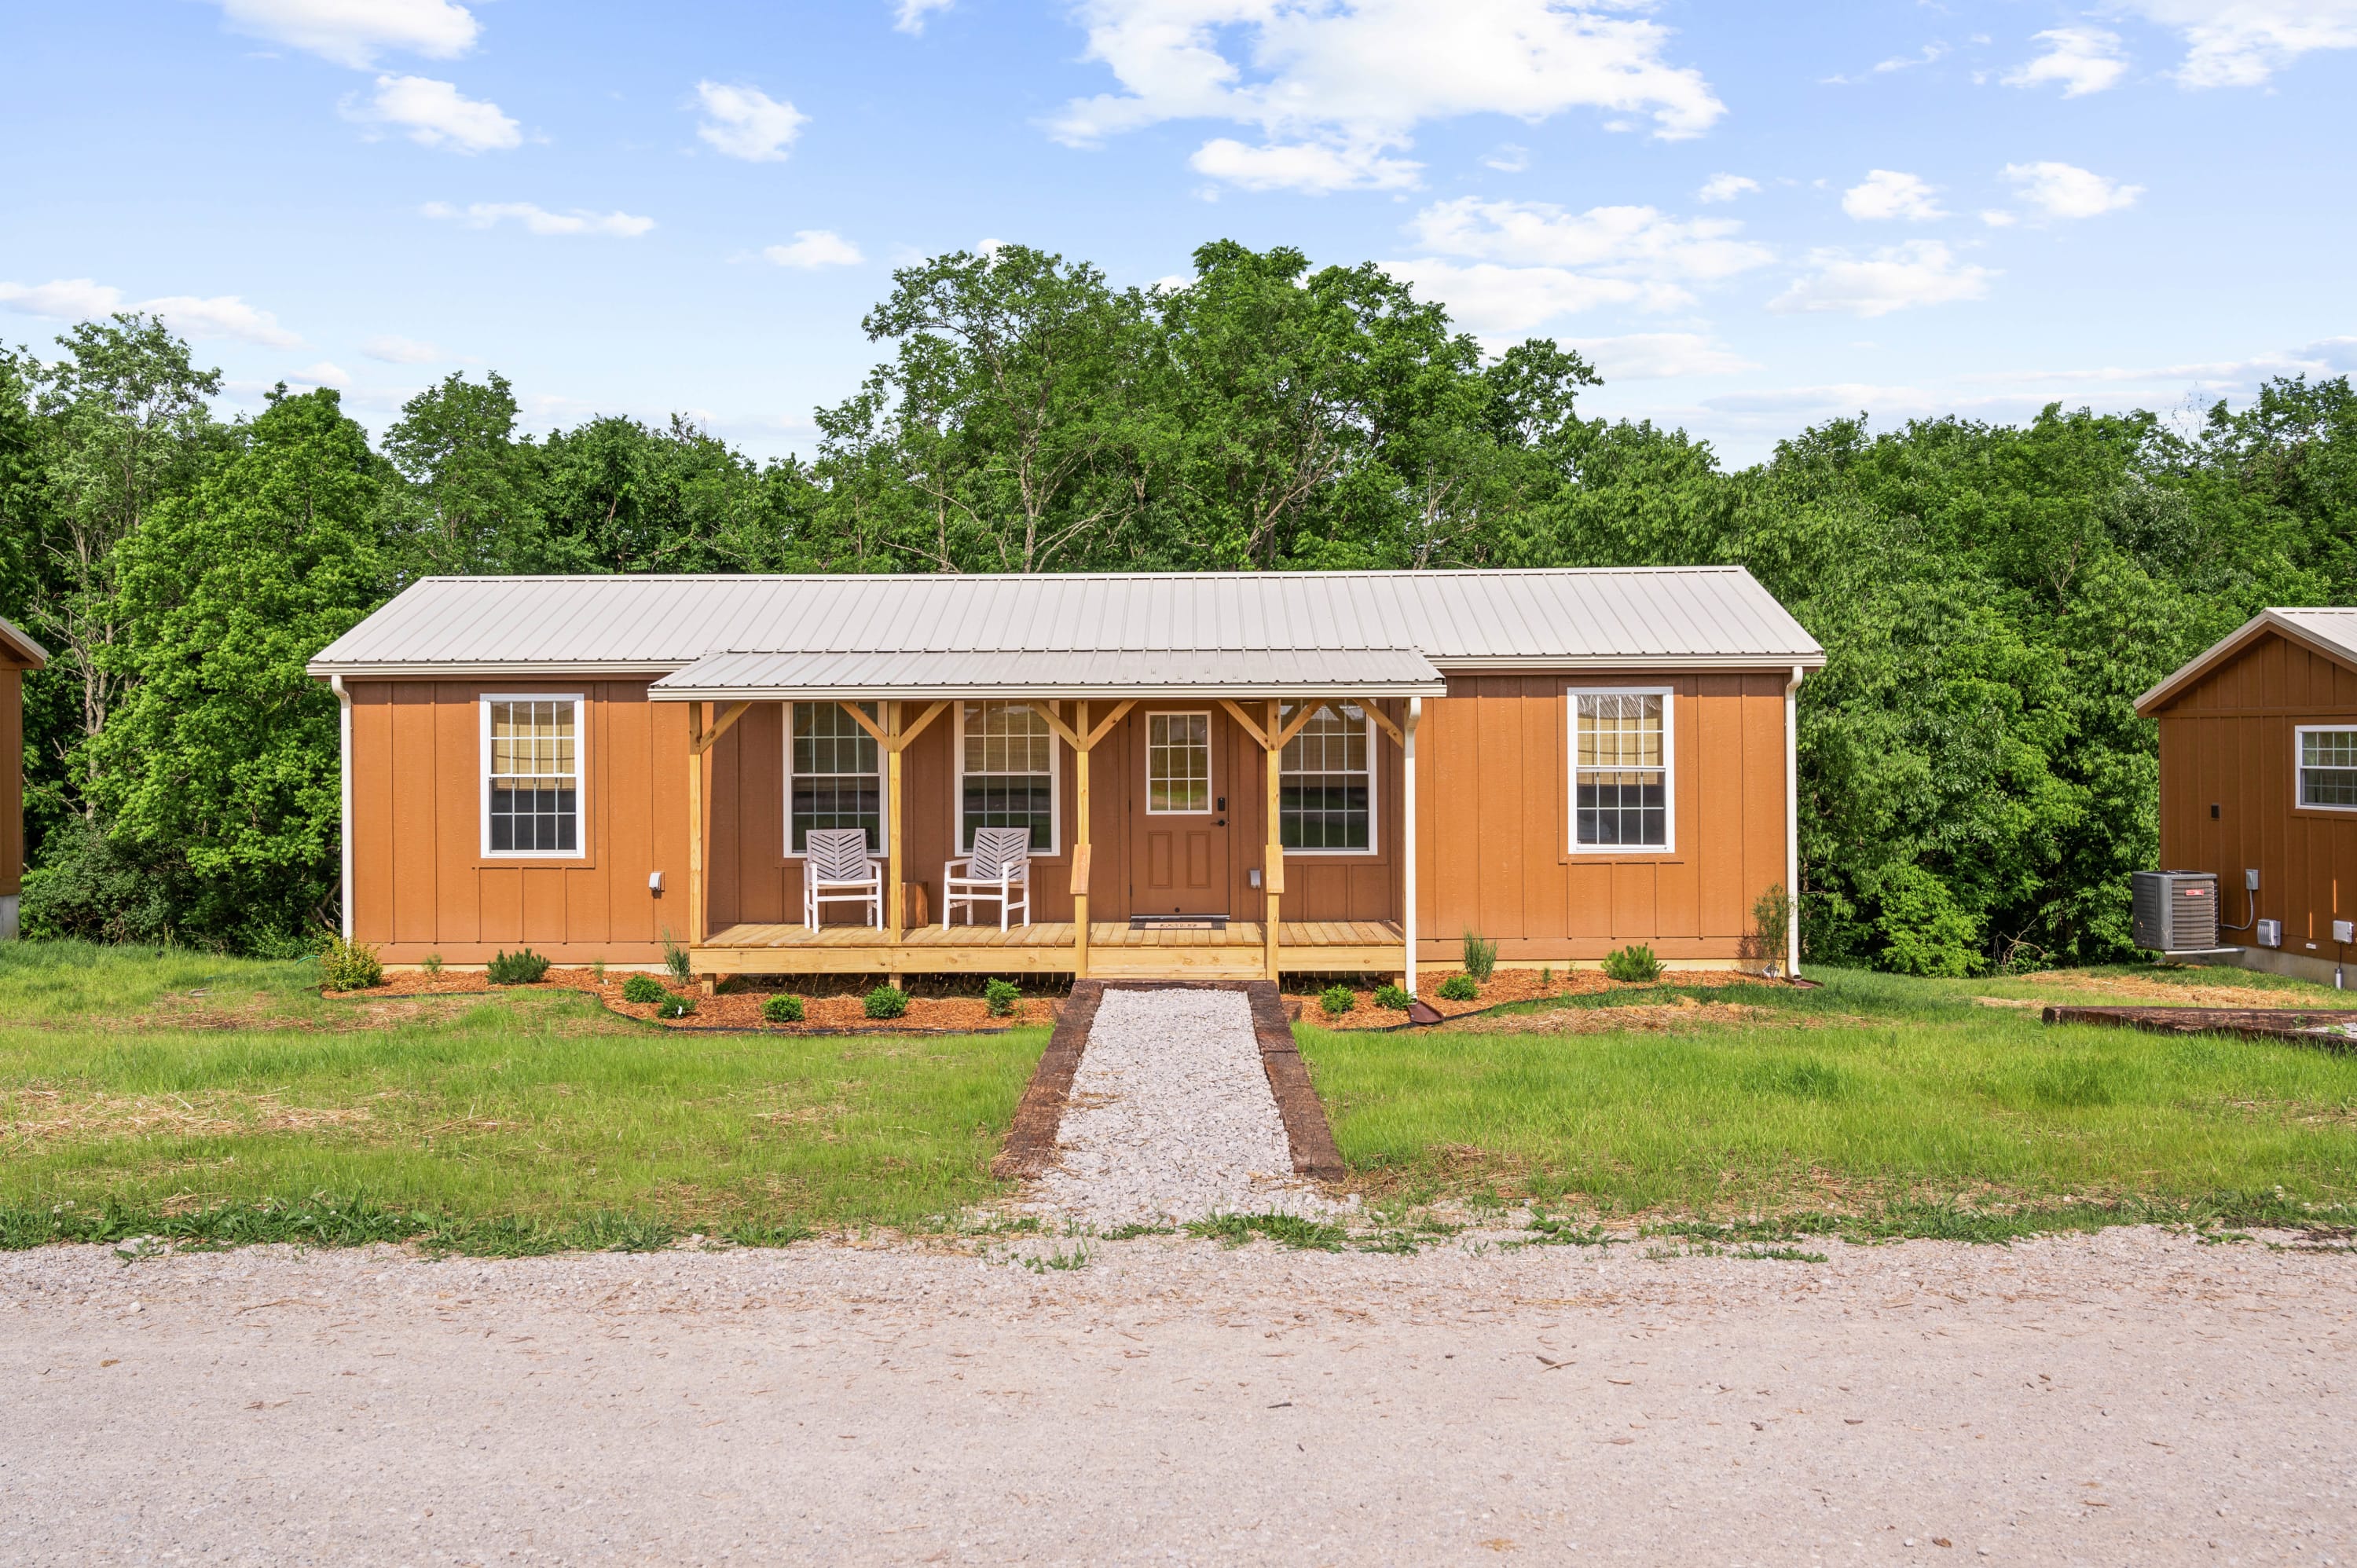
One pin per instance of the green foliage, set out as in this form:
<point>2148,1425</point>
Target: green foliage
<point>1460,988</point>
<point>886,1002</point>
<point>431,964</point>
<point>349,966</point>
<point>1337,1000</point>
<point>782,1010</point>
<point>675,1006</point>
<point>676,960</point>
<point>1000,996</point>
<point>1766,942</point>
<point>644,988</point>
<point>1634,962</point>
<point>1481,957</point>
<point>1395,997</point>
<point>522,967</point>
<point>1285,1229</point>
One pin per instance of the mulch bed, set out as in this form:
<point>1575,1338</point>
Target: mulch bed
<point>1504,986</point>
<point>2326,1026</point>
<point>832,1004</point>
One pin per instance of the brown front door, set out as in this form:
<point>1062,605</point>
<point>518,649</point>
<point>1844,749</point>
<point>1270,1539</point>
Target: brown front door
<point>1180,767</point>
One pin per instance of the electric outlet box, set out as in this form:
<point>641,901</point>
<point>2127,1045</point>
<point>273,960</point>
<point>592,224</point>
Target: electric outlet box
<point>2176,911</point>
<point>2270,933</point>
<point>2344,931</point>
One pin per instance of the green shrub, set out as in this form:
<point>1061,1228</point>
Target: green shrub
<point>349,966</point>
<point>1480,958</point>
<point>886,1002</point>
<point>522,967</point>
<point>598,970</point>
<point>1395,997</point>
<point>675,958</point>
<point>431,964</point>
<point>1546,975</point>
<point>1460,988</point>
<point>1635,962</point>
<point>675,1006</point>
<point>1000,996</point>
<point>644,988</point>
<point>782,1010</point>
<point>1338,1000</point>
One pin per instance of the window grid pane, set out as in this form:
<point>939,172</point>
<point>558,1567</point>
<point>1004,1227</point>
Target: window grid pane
<point>534,784</point>
<point>837,771</point>
<point>2328,767</point>
<point>1621,796</point>
<point>1177,762</point>
<point>1010,759</point>
<point>1325,785</point>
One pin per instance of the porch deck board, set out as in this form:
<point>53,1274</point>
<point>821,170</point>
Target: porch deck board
<point>1115,951</point>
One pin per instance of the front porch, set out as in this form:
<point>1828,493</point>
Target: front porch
<point>1114,950</point>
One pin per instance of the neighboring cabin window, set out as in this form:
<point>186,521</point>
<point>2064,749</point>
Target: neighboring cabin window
<point>1622,769</point>
<point>1006,772</point>
<point>2328,767</point>
<point>1177,764</point>
<point>835,776</point>
<point>1326,790</point>
<point>531,775</point>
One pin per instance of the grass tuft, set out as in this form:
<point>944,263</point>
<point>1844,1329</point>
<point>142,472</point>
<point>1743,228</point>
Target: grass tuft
<point>1285,1229</point>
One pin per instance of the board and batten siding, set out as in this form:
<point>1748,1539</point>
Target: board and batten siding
<point>12,777</point>
<point>2226,740</point>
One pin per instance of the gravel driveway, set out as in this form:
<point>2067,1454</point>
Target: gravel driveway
<point>2132,1396</point>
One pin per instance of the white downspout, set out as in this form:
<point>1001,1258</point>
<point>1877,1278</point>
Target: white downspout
<point>344,766</point>
<point>1407,833</point>
<point>1792,825</point>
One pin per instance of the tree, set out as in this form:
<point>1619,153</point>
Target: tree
<point>472,485</point>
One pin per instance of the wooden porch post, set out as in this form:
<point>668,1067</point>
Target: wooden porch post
<point>1081,847</point>
<point>1407,833</point>
<point>895,869</point>
<point>694,825</point>
<point>1272,874</point>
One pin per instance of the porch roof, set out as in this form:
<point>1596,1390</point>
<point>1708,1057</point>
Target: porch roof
<point>835,674</point>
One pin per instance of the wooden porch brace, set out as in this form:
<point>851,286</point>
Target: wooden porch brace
<point>893,738</point>
<point>1083,741</point>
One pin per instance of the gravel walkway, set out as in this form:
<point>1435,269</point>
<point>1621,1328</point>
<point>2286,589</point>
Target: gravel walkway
<point>2129,1398</point>
<point>1170,1118</point>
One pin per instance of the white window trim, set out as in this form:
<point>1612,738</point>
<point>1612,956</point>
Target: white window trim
<point>1374,799</point>
<point>1669,843</point>
<point>1211,761</point>
<point>883,816</point>
<point>580,849</point>
<point>2298,793</point>
<point>1055,783</point>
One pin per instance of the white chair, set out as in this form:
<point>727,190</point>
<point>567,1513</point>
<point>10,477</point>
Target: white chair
<point>998,868</point>
<point>837,869</point>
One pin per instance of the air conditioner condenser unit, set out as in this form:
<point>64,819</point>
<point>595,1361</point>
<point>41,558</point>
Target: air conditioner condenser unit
<point>2176,911</point>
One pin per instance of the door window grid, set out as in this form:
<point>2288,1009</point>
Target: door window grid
<point>1006,764</point>
<point>534,804</point>
<point>1326,782</point>
<point>1622,787</point>
<point>2328,767</point>
<point>1177,764</point>
<point>835,775</point>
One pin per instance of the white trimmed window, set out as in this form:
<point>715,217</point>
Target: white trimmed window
<point>1006,772</point>
<point>1623,769</point>
<point>835,776</point>
<point>1326,785</point>
<point>1177,765</point>
<point>2328,766</point>
<point>532,775</point>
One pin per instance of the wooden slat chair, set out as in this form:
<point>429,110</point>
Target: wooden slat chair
<point>837,869</point>
<point>998,868</point>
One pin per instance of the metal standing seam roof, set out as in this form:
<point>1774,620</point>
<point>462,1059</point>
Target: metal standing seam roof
<point>1383,631</point>
<point>2331,629</point>
<point>18,641</point>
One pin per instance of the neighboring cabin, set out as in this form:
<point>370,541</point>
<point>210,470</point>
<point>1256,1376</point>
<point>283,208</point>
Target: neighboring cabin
<point>19,655</point>
<point>1564,761</point>
<point>2259,772</point>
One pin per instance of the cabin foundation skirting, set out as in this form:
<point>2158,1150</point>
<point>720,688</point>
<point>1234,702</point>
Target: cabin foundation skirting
<point>8,907</point>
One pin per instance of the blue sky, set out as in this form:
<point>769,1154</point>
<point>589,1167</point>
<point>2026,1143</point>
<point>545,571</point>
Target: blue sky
<point>1749,216</point>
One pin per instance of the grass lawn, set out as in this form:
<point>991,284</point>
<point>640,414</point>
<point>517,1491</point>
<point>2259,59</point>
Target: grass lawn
<point>1870,1094</point>
<point>165,1085</point>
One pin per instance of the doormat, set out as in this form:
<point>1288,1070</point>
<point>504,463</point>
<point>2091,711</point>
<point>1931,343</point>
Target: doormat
<point>1177,922</point>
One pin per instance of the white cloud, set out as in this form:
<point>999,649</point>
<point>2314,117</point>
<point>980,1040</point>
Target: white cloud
<point>815,248</point>
<point>2064,190</point>
<point>437,114</point>
<point>1886,193</point>
<point>1921,271</point>
<point>1652,356</point>
<point>2083,60</point>
<point>1499,303</point>
<point>1624,242</point>
<point>2241,43</point>
<point>326,373</point>
<point>1355,77</point>
<point>540,220</point>
<point>1998,217</point>
<point>1930,52</point>
<point>398,350</point>
<point>1508,157</point>
<point>353,32</point>
<point>746,123</point>
<point>1309,167</point>
<point>911,18</point>
<point>1726,188</point>
<point>63,299</point>
<point>81,299</point>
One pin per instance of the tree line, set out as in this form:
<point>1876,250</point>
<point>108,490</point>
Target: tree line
<point>1975,785</point>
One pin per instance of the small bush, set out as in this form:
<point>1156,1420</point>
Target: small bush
<point>522,967</point>
<point>1636,962</point>
<point>1460,988</point>
<point>431,964</point>
<point>886,1002</point>
<point>1395,997</point>
<point>1546,975</point>
<point>349,966</point>
<point>675,958</point>
<point>598,970</point>
<point>1000,996</point>
<point>644,988</point>
<point>675,1006</point>
<point>1480,958</point>
<point>782,1010</point>
<point>1338,1000</point>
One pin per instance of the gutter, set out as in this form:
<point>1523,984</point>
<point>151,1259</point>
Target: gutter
<point>344,767</point>
<point>1793,823</point>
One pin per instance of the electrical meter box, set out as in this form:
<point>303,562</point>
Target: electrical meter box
<point>2176,911</point>
<point>2270,933</point>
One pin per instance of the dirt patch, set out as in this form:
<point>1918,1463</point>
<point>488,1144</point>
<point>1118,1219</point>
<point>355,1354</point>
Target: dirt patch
<point>1687,1013</point>
<point>28,1116</point>
<point>2130,988</point>
<point>1501,989</point>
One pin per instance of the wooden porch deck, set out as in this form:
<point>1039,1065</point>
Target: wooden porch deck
<point>1115,951</point>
